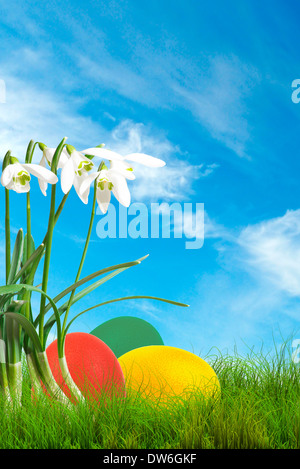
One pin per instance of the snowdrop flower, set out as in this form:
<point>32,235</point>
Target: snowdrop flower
<point>48,154</point>
<point>119,164</point>
<point>118,159</point>
<point>75,171</point>
<point>114,179</point>
<point>107,181</point>
<point>16,176</point>
<point>47,157</point>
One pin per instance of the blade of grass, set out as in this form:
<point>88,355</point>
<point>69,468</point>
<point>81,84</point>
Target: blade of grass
<point>51,321</point>
<point>122,299</point>
<point>16,257</point>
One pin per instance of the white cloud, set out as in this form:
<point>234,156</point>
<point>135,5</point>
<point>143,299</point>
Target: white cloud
<point>214,89</point>
<point>269,251</point>
<point>218,100</point>
<point>172,182</point>
<point>41,115</point>
<point>119,76</point>
<point>272,248</point>
<point>34,113</point>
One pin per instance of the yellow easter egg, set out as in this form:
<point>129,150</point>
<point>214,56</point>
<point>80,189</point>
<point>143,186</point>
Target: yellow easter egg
<point>163,372</point>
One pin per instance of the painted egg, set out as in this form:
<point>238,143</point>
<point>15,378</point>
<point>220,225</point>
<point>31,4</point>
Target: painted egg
<point>126,333</point>
<point>92,365</point>
<point>162,372</point>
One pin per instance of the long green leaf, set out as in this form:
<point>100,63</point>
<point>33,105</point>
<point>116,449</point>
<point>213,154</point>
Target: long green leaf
<point>35,256</point>
<point>51,321</point>
<point>18,288</point>
<point>31,247</point>
<point>86,279</point>
<point>176,303</point>
<point>28,327</point>
<point>49,324</point>
<point>13,333</point>
<point>16,257</point>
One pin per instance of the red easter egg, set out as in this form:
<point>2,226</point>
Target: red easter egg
<point>92,365</point>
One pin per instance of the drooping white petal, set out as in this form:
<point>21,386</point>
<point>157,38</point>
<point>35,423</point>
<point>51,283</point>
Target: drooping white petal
<point>123,168</point>
<point>49,153</point>
<point>78,157</point>
<point>7,175</point>
<point>120,188</point>
<point>10,179</point>
<point>103,153</point>
<point>42,183</point>
<point>10,185</point>
<point>86,183</point>
<point>103,198</point>
<point>67,176</point>
<point>146,160</point>
<point>78,181</point>
<point>41,172</point>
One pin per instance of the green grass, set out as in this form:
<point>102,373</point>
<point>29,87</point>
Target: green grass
<point>259,407</point>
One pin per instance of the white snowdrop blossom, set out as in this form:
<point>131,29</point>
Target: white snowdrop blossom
<point>76,166</point>
<point>48,154</point>
<point>17,176</point>
<point>108,181</point>
<point>74,172</point>
<point>114,179</point>
<point>140,158</point>
<point>47,157</point>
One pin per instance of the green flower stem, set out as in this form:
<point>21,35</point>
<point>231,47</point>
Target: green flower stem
<point>13,354</point>
<point>34,373</point>
<point>52,387</point>
<point>82,257</point>
<point>42,378</point>
<point>3,371</point>
<point>28,225</point>
<point>27,295</point>
<point>7,234</point>
<point>62,360</point>
<point>47,262</point>
<point>6,161</point>
<point>68,379</point>
<point>28,159</point>
<point>57,214</point>
<point>14,371</point>
<point>51,225</point>
<point>30,151</point>
<point>4,382</point>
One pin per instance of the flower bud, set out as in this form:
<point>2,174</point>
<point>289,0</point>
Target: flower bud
<point>42,146</point>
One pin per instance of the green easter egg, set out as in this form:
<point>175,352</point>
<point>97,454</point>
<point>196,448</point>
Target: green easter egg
<point>126,333</point>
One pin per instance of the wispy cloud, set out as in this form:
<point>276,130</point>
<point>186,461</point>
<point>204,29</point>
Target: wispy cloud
<point>268,251</point>
<point>35,113</point>
<point>272,248</point>
<point>31,112</point>
<point>252,293</point>
<point>215,90</point>
<point>218,100</point>
<point>172,182</point>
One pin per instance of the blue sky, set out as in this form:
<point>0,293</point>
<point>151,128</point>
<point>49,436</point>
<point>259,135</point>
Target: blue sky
<point>206,87</point>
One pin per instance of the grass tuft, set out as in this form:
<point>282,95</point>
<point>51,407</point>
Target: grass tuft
<point>259,408</point>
